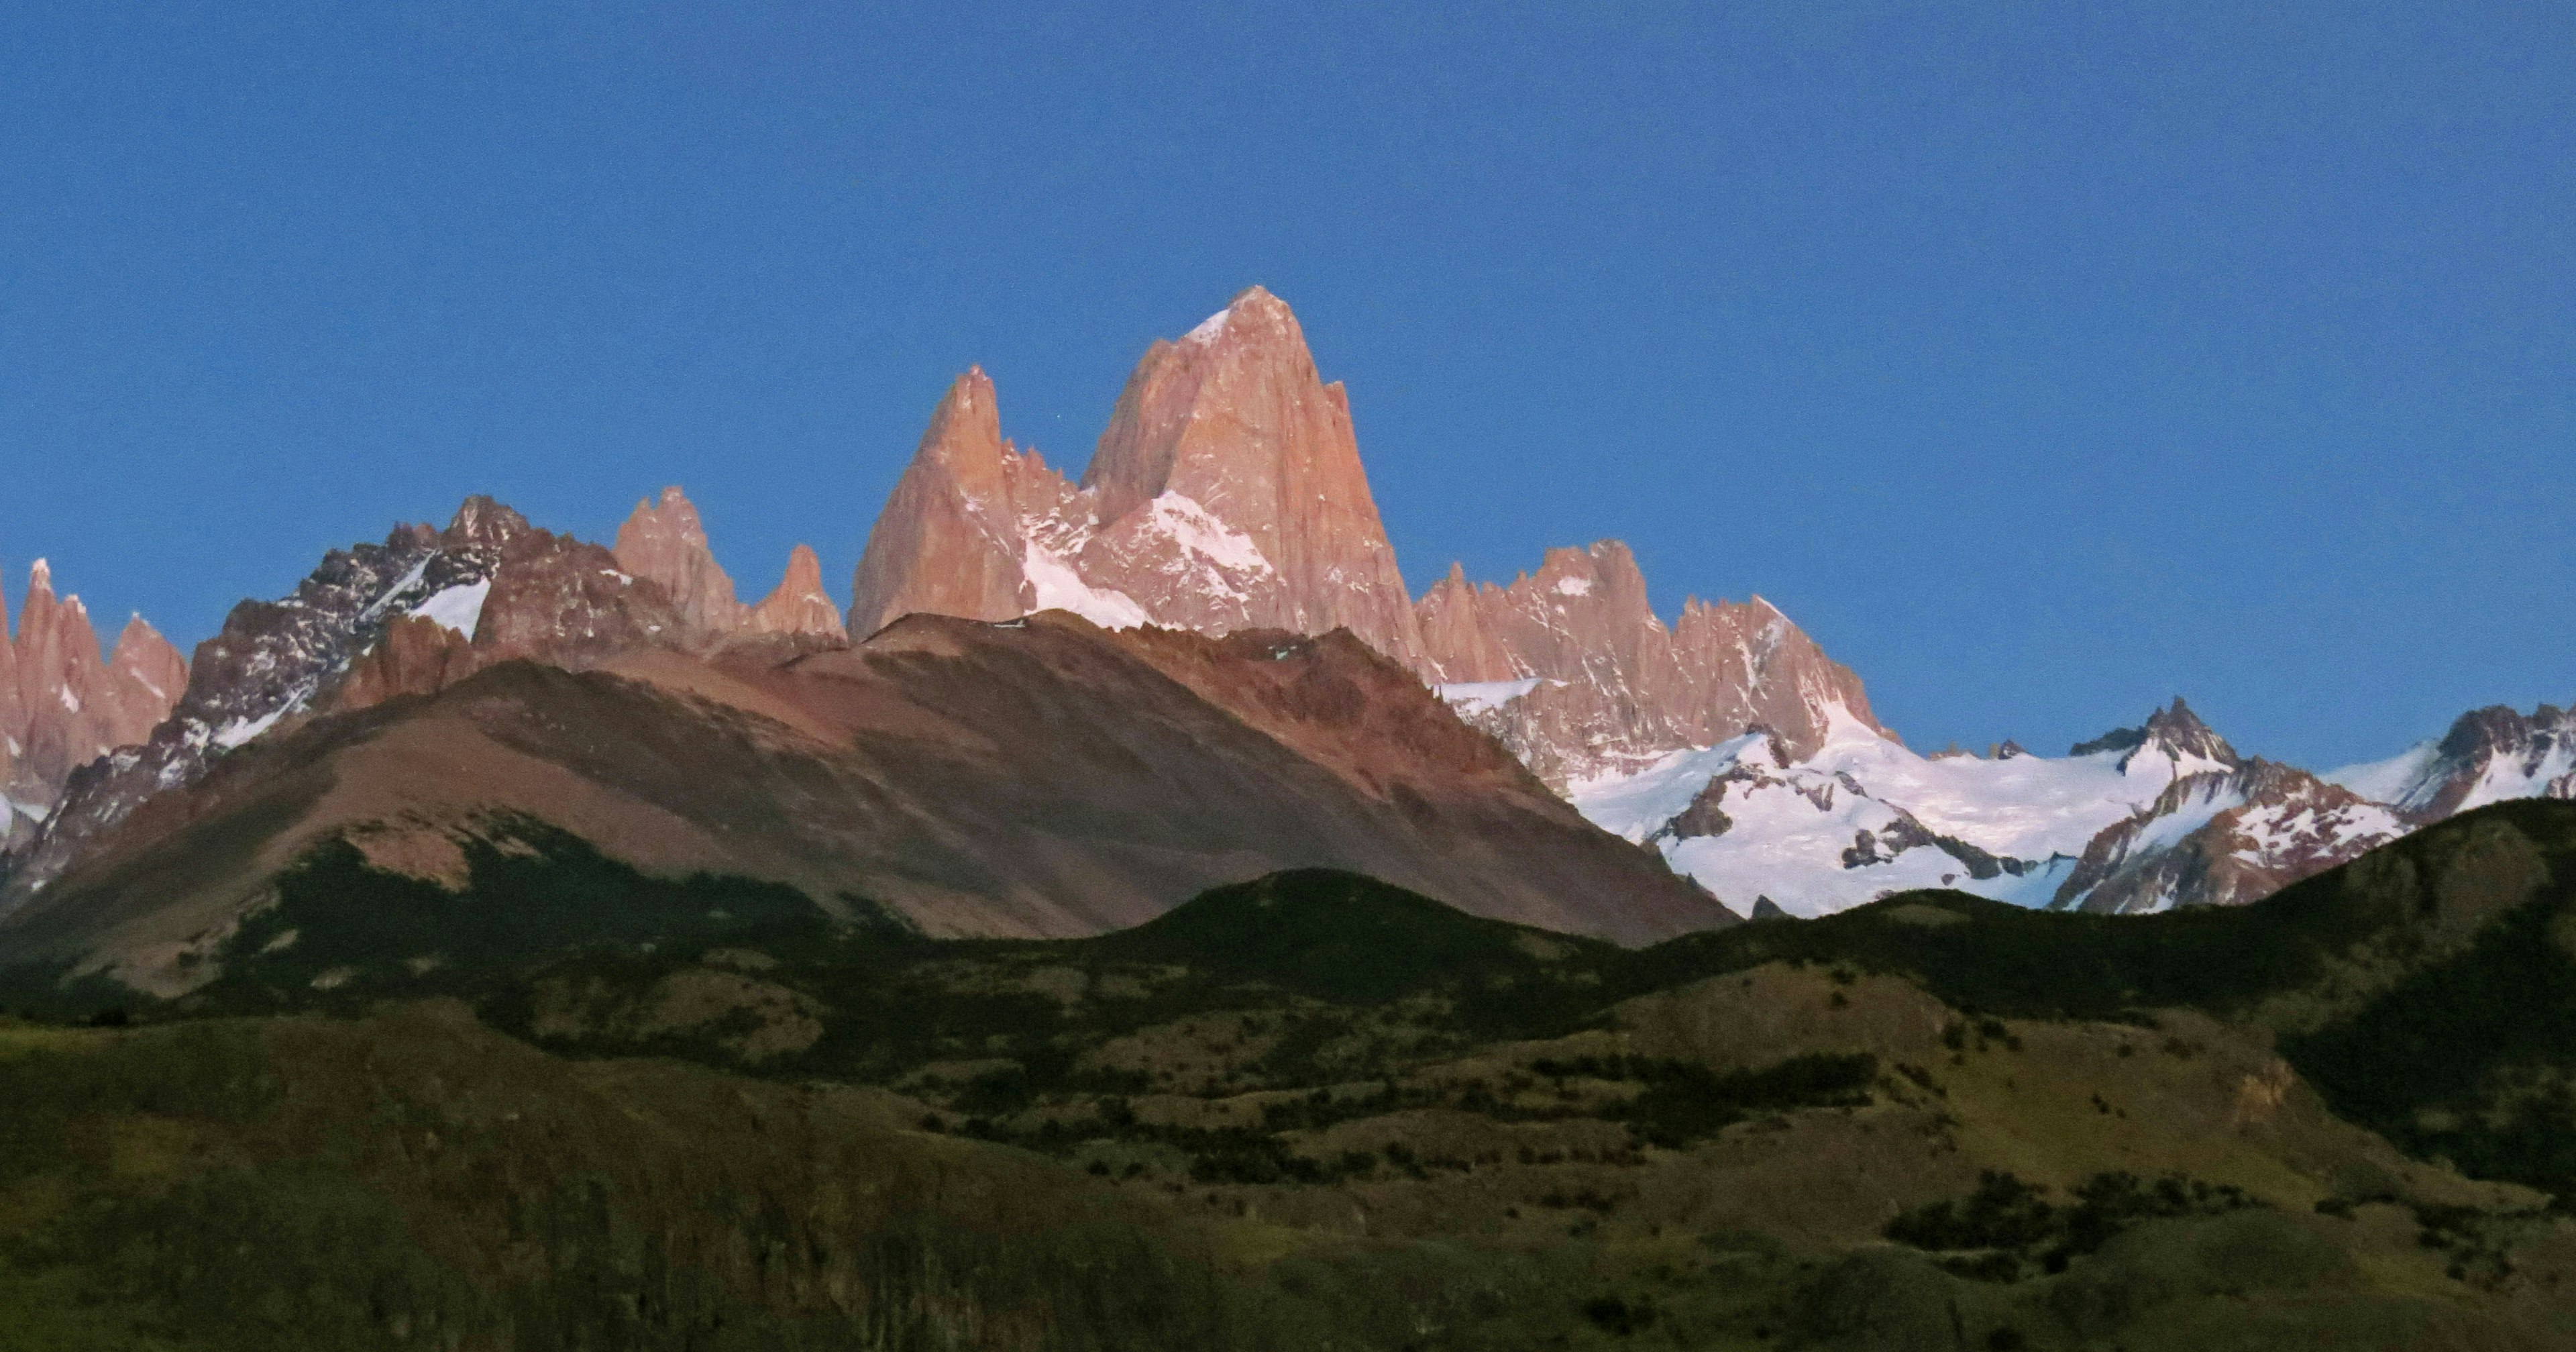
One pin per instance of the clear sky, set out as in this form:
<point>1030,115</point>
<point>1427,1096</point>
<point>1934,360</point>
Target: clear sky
<point>2043,362</point>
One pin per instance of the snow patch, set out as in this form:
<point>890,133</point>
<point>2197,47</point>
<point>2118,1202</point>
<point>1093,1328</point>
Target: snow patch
<point>1058,587</point>
<point>2393,780</point>
<point>393,593</point>
<point>1194,528</point>
<point>1208,328</point>
<point>459,609</point>
<point>1792,823</point>
<point>1574,586</point>
<point>242,730</point>
<point>1475,697</point>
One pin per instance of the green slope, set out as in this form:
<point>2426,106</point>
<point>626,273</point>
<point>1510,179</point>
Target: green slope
<point>564,1105</point>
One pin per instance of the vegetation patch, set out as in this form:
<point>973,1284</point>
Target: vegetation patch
<point>2007,1229</point>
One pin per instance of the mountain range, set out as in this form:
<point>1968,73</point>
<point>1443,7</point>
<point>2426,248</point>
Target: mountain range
<point>1139,921</point>
<point>1220,565</point>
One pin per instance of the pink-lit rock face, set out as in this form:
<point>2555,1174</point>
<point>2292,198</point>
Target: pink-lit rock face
<point>1230,490</point>
<point>1226,494</point>
<point>62,705</point>
<point>1599,684</point>
<point>664,542</point>
<point>951,540</point>
<point>799,607</point>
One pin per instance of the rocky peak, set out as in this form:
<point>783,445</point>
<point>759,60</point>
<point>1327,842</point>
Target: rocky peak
<point>2486,756</point>
<point>1230,494</point>
<point>565,601</point>
<point>2174,733</point>
<point>272,661</point>
<point>666,543</point>
<point>62,707</point>
<point>949,541</point>
<point>145,677</point>
<point>1227,494</point>
<point>799,606</point>
<point>1599,684</point>
<point>2224,837</point>
<point>1457,647</point>
<point>2184,737</point>
<point>480,523</point>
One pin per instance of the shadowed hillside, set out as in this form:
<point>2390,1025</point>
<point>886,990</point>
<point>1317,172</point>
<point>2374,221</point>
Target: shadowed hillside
<point>560,1103</point>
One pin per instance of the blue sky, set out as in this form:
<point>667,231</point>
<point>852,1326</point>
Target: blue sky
<point>2042,361</point>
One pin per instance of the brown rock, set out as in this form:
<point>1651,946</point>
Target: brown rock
<point>799,606</point>
<point>666,543</point>
<point>416,656</point>
<point>13,720</point>
<point>59,676</point>
<point>61,707</point>
<point>565,601</point>
<point>1456,646</point>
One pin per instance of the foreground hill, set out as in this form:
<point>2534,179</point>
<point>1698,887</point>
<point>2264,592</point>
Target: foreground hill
<point>1318,1111</point>
<point>1037,778</point>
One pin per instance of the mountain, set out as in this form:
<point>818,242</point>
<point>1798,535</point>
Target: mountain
<point>63,706</point>
<point>1860,816</point>
<point>2489,755</point>
<point>1228,494</point>
<point>799,607</point>
<point>1032,777</point>
<point>2162,815</point>
<point>2224,838</point>
<point>664,542</point>
<point>423,608</point>
<point>1573,670</point>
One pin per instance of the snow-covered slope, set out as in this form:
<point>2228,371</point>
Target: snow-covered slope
<point>2489,756</point>
<point>2142,819</point>
<point>1865,816</point>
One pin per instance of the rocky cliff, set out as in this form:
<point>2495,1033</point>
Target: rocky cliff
<point>63,706</point>
<point>1572,669</point>
<point>1226,494</point>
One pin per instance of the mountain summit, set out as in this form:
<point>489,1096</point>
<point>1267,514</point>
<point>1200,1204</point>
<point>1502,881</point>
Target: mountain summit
<point>1227,494</point>
<point>63,706</point>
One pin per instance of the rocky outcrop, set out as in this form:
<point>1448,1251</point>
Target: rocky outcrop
<point>954,538</point>
<point>799,607</point>
<point>63,706</point>
<point>2175,733</point>
<point>1230,491</point>
<point>413,615</point>
<point>2226,837</point>
<point>1605,687</point>
<point>665,543</point>
<point>2487,756</point>
<point>1227,494</point>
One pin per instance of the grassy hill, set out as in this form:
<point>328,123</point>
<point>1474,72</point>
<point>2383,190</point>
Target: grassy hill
<point>560,1104</point>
